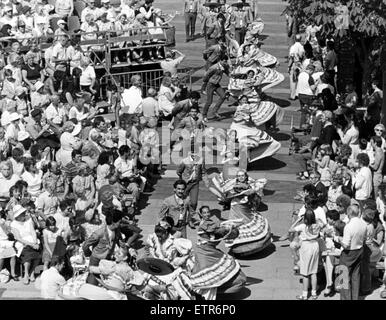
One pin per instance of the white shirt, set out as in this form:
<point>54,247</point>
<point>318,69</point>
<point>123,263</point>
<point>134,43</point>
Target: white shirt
<point>297,51</point>
<point>363,183</point>
<point>87,76</point>
<point>132,100</point>
<point>319,212</point>
<point>303,87</point>
<point>354,233</point>
<point>62,222</point>
<point>54,114</point>
<point>51,281</point>
<point>124,167</point>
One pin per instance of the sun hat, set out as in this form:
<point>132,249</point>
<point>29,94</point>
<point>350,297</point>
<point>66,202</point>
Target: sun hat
<point>61,21</point>
<point>22,135</point>
<point>105,1</point>
<point>18,210</point>
<point>14,116</point>
<point>38,85</point>
<point>7,8</point>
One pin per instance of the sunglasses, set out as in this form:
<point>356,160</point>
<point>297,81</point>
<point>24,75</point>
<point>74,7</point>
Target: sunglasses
<point>378,130</point>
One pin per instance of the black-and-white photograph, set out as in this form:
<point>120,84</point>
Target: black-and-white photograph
<point>192,150</point>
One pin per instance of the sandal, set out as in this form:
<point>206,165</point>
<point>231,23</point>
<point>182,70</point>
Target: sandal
<point>301,297</point>
<point>14,278</point>
<point>314,297</point>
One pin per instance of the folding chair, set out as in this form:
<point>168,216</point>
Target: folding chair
<point>73,23</point>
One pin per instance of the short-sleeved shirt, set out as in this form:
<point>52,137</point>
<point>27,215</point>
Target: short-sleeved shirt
<point>149,107</point>
<point>354,233</point>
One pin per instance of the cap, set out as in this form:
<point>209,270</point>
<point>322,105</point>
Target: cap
<point>61,21</point>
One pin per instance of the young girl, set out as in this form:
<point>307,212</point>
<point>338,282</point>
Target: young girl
<point>50,233</point>
<point>308,253</point>
<point>334,192</point>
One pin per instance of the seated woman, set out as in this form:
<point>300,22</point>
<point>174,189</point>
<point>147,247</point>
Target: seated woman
<point>214,271</point>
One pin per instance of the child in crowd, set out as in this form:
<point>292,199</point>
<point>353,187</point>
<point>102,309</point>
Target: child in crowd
<point>50,234</point>
<point>308,252</point>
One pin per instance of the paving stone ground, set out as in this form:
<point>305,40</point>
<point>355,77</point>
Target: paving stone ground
<point>269,273</point>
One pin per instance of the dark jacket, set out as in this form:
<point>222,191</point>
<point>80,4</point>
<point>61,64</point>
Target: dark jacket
<point>102,246</point>
<point>327,135</point>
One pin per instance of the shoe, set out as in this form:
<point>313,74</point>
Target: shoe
<point>205,119</point>
<point>329,292</point>
<point>26,281</point>
<point>14,278</point>
<point>314,297</point>
<point>187,40</point>
<point>301,297</point>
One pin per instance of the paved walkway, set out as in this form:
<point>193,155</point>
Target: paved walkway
<point>270,272</point>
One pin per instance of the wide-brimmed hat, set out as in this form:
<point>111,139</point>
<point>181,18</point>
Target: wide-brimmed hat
<point>212,4</point>
<point>240,3</point>
<point>155,266</point>
<point>22,135</point>
<point>18,210</point>
<point>105,1</point>
<point>14,116</point>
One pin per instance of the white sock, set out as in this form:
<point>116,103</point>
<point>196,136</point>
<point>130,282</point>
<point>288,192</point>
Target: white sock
<point>313,292</point>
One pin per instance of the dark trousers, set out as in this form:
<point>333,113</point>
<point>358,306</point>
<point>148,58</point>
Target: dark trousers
<point>192,190</point>
<point>190,24</point>
<point>351,259</point>
<point>210,90</point>
<point>365,285</point>
<point>240,35</point>
<point>91,278</point>
<point>305,102</point>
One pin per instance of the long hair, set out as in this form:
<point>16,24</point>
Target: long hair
<point>309,218</point>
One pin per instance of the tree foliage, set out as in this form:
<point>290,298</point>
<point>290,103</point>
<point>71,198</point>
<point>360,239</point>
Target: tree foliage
<point>367,18</point>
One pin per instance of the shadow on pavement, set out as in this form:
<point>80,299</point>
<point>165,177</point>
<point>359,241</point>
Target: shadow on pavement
<point>280,136</point>
<point>241,295</point>
<point>266,164</point>
<point>281,102</point>
<point>260,255</point>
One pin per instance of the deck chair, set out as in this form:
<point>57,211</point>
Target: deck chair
<point>73,23</point>
<point>79,6</point>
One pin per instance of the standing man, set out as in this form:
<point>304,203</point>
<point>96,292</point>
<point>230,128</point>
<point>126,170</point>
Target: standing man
<point>305,90</point>
<point>191,169</point>
<point>354,235</point>
<point>132,97</point>
<point>296,56</point>
<point>178,207</point>
<point>363,179</point>
<point>182,108</point>
<point>190,10</point>
<point>212,83</point>
<point>377,166</point>
<point>239,20</point>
